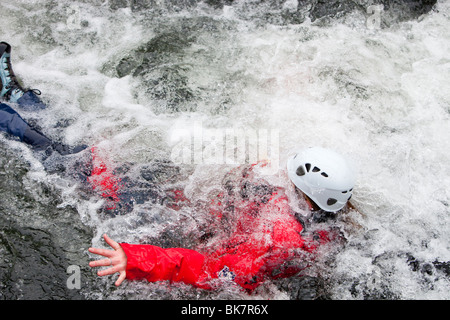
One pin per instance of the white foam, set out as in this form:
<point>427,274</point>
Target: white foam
<point>379,96</point>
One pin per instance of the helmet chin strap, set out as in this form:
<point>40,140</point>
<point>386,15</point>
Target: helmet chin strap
<point>311,204</point>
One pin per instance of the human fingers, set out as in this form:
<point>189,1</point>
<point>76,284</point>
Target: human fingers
<point>122,277</point>
<point>111,242</point>
<point>106,272</point>
<point>102,252</point>
<point>101,263</point>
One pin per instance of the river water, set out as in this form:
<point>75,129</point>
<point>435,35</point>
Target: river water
<point>135,78</point>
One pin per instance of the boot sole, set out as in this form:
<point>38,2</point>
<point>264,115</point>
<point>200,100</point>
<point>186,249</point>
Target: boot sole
<point>4,47</point>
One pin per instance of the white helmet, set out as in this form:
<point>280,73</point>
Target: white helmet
<point>324,176</point>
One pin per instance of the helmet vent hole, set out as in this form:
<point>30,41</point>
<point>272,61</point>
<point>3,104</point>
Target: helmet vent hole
<point>331,201</point>
<point>300,171</point>
<point>315,169</point>
<point>308,166</point>
<point>324,174</point>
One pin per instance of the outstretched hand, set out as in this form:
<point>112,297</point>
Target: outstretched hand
<point>116,258</point>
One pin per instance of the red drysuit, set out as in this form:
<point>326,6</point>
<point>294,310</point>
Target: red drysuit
<point>264,240</point>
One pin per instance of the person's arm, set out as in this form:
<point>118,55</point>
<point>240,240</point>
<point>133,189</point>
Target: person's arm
<point>149,262</point>
<point>157,264</point>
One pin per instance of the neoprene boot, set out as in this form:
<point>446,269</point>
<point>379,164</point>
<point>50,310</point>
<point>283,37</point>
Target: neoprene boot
<point>11,122</point>
<point>10,89</point>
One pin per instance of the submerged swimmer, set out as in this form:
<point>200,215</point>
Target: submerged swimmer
<point>265,238</point>
<point>261,238</point>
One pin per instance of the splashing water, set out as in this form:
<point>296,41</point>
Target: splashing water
<point>126,76</point>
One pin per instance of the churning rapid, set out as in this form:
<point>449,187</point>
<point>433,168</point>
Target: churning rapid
<point>134,78</point>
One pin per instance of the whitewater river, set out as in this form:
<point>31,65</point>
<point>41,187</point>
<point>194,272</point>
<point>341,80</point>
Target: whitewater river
<point>140,79</point>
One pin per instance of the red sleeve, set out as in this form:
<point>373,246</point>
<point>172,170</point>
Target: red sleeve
<point>157,264</point>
